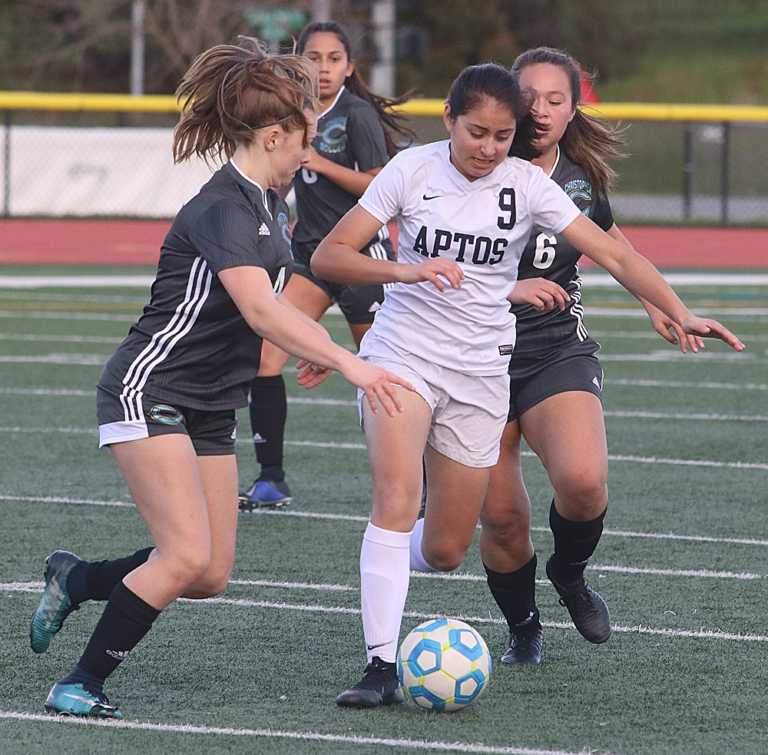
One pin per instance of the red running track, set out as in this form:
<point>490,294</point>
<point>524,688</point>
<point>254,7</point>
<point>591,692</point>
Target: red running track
<point>132,242</point>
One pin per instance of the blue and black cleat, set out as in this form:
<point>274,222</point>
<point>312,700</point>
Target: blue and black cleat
<point>55,604</point>
<point>265,494</point>
<point>77,700</point>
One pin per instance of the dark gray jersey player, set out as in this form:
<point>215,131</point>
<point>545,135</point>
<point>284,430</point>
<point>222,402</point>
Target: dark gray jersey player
<point>191,346</point>
<point>350,134</point>
<point>546,338</point>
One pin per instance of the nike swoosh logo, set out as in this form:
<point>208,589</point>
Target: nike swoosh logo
<point>434,196</point>
<point>380,645</point>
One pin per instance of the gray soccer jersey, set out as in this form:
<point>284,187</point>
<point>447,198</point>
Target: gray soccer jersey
<point>350,133</point>
<point>549,255</point>
<point>483,225</point>
<point>191,345</point>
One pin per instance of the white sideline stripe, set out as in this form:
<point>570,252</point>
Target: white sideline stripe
<point>364,519</point>
<point>648,383</point>
<point>308,736</point>
<point>5,391</point>
<point>23,314</point>
<point>34,587</point>
<point>361,447</point>
<point>35,337</point>
<point>613,312</point>
<point>702,634</point>
<point>76,281</point>
<point>665,357</point>
<point>598,280</point>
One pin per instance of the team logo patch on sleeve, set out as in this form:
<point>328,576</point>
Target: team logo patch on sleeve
<point>580,191</point>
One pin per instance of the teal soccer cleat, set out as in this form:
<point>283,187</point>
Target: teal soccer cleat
<point>55,604</point>
<point>76,700</point>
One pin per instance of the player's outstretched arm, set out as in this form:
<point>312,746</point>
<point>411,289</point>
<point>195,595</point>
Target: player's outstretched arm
<point>642,279</point>
<point>667,328</point>
<point>337,258</point>
<point>251,291</point>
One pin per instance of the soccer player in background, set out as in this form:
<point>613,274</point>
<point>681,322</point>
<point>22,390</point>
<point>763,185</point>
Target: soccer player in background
<point>166,400</point>
<point>556,380</point>
<point>355,138</point>
<point>465,211</point>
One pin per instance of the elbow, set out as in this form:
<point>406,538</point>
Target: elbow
<point>318,263</point>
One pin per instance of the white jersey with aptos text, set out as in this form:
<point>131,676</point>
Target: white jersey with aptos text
<point>483,225</point>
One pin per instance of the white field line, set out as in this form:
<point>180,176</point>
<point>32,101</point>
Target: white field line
<point>598,280</point>
<point>335,445</point>
<point>701,634</point>
<point>749,313</point>
<point>401,745</point>
<point>305,401</point>
<point>664,357</point>
<point>23,314</point>
<point>304,514</point>
<point>698,385</point>
<point>37,338</point>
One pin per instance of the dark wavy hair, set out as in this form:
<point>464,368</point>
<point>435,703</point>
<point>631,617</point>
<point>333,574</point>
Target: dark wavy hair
<point>231,91</point>
<point>492,80</point>
<point>396,131</point>
<point>588,141</point>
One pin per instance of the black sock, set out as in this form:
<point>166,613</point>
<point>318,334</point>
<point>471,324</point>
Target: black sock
<point>515,592</point>
<point>269,409</point>
<point>575,542</point>
<point>125,621</point>
<point>95,580</point>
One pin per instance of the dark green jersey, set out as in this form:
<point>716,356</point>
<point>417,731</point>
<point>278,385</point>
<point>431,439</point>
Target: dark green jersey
<point>350,133</point>
<point>191,345</point>
<point>550,256</point>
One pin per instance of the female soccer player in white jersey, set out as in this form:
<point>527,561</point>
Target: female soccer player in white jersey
<point>166,400</point>
<point>465,211</point>
<point>555,378</point>
<point>354,140</point>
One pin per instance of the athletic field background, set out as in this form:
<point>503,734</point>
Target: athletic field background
<point>682,564</point>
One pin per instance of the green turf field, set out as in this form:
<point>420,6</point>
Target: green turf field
<point>682,565</point>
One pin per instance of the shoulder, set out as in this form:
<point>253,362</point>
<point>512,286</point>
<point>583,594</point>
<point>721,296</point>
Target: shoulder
<point>353,104</point>
<point>423,155</point>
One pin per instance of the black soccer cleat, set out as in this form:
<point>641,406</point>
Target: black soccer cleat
<point>526,643</point>
<point>379,686</point>
<point>588,610</point>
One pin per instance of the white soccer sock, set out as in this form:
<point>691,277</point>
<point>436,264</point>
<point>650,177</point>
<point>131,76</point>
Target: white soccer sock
<point>418,562</point>
<point>384,577</point>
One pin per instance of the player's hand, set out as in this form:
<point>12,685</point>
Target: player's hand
<point>379,386</point>
<point>313,161</point>
<point>542,294</point>
<point>670,331</point>
<point>701,326</point>
<point>437,271</point>
<point>311,375</point>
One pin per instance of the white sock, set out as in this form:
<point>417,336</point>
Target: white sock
<point>384,577</point>
<point>418,562</point>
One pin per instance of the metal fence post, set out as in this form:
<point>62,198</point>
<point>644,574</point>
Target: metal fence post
<point>6,163</point>
<point>725,172</point>
<point>687,170</point>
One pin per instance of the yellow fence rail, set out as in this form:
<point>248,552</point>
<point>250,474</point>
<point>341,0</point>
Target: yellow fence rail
<point>423,107</point>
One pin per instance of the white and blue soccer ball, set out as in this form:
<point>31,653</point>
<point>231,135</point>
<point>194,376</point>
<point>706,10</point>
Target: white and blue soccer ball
<point>443,665</point>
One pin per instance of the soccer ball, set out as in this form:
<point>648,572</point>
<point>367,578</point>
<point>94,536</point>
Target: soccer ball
<point>443,665</point>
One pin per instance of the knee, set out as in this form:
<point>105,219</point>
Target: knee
<point>444,556</point>
<point>395,504</point>
<point>508,528</point>
<point>582,493</point>
<point>212,583</point>
<point>187,566</point>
